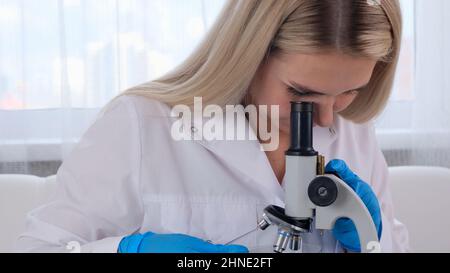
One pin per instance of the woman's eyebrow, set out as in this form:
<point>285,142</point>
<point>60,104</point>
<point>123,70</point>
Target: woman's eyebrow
<point>304,89</point>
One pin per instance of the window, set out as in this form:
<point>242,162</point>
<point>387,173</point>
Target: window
<point>397,118</point>
<point>61,60</point>
<point>80,53</point>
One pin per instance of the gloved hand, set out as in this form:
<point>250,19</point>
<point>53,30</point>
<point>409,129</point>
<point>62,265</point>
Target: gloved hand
<point>173,243</point>
<point>344,230</point>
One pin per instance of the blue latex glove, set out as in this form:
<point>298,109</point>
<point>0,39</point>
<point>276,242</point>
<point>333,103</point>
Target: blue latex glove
<point>173,243</point>
<point>344,230</point>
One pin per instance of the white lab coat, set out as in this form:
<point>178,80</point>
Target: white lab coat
<point>128,175</point>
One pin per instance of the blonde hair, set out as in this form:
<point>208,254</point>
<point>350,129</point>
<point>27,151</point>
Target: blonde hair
<point>246,32</point>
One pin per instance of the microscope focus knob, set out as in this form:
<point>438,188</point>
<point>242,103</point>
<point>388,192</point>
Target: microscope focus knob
<point>323,191</point>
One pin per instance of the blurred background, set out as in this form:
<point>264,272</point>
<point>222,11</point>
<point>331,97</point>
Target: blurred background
<point>61,61</point>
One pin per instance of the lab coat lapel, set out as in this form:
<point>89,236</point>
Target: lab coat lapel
<point>247,156</point>
<point>323,138</point>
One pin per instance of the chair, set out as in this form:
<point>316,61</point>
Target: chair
<point>19,194</point>
<point>421,198</point>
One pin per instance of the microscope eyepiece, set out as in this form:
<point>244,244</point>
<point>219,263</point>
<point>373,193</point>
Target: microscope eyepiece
<point>301,129</point>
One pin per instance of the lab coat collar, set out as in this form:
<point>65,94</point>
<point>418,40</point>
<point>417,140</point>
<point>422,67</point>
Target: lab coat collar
<point>248,157</point>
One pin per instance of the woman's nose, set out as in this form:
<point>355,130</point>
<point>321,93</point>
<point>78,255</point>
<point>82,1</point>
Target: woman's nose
<point>324,115</point>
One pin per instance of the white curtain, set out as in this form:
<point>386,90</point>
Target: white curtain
<point>62,60</point>
<point>415,129</point>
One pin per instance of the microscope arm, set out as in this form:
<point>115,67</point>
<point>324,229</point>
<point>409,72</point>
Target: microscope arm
<point>349,205</point>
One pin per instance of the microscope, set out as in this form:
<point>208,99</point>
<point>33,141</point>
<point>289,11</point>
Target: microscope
<point>311,196</point>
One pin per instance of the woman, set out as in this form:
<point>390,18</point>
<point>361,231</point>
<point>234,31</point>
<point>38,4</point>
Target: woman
<point>129,186</point>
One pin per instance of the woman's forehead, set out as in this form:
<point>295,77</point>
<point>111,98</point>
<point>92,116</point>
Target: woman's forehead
<point>325,73</point>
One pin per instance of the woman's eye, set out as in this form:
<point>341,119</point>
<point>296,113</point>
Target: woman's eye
<point>300,93</point>
<point>352,92</point>
<point>297,92</point>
